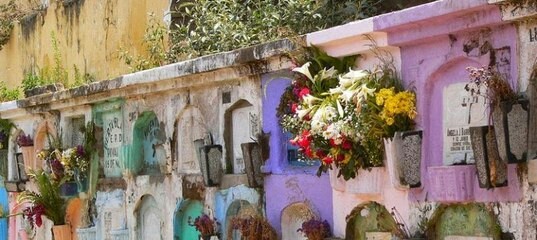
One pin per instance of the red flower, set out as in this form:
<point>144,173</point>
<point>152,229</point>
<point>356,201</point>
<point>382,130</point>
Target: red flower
<point>308,152</point>
<point>340,157</point>
<point>294,106</point>
<point>328,160</point>
<point>320,153</point>
<point>303,92</point>
<point>347,145</point>
<point>332,143</point>
<point>304,142</point>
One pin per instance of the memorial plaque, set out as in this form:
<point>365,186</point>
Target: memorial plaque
<point>113,140</point>
<point>461,111</point>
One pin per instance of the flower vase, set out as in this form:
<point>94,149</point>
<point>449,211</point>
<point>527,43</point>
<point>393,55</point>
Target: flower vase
<point>68,189</point>
<point>511,121</point>
<point>28,155</point>
<point>81,182</point>
<point>62,232</point>
<point>491,169</point>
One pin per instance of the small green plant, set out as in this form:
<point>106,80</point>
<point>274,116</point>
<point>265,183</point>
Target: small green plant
<point>155,46</point>
<point>7,94</point>
<point>47,201</point>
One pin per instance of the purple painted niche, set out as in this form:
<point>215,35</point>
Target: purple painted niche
<point>433,66</point>
<point>287,184</point>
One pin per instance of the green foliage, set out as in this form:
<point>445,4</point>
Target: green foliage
<point>48,195</point>
<point>7,94</point>
<point>154,45</point>
<point>56,73</point>
<point>216,26</point>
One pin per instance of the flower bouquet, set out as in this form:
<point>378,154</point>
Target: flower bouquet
<point>207,226</point>
<point>340,116</point>
<point>314,229</point>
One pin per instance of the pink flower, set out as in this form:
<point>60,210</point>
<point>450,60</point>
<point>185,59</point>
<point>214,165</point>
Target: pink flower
<point>294,106</point>
<point>303,92</point>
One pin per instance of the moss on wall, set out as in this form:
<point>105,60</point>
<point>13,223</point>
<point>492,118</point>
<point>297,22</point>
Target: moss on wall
<point>473,219</point>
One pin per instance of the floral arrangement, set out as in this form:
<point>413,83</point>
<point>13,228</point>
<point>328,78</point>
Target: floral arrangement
<point>488,83</point>
<point>251,228</point>
<point>314,229</point>
<point>75,161</point>
<point>25,140</point>
<point>340,116</point>
<point>206,225</point>
<point>70,163</point>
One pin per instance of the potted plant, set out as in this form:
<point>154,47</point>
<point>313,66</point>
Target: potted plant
<point>505,139</point>
<point>207,227</point>
<point>250,228</point>
<point>315,229</point>
<point>26,145</point>
<point>46,201</point>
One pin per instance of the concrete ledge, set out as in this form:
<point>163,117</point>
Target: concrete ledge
<point>233,180</point>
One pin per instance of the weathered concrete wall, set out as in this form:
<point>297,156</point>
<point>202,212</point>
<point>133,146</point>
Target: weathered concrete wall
<point>89,35</point>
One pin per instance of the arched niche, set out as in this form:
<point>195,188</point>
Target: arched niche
<point>240,126</point>
<point>148,218</point>
<point>45,133</point>
<point>186,212</point>
<point>292,218</point>
<point>15,170</point>
<point>190,126</point>
<point>369,217</point>
<point>148,156</point>
<point>238,208</point>
<point>465,220</point>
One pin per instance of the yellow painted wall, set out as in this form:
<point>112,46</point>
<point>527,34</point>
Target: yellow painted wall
<point>89,36</point>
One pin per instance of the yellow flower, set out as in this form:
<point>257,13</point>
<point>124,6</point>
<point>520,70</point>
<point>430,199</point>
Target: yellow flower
<point>389,121</point>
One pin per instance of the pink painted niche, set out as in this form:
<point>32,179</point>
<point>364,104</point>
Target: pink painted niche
<point>446,181</point>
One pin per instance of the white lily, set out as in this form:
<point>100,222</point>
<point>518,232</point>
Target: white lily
<point>309,100</point>
<point>364,92</point>
<point>340,109</point>
<point>327,73</point>
<point>356,74</point>
<point>303,112</point>
<point>347,95</point>
<point>304,70</point>
<point>345,82</point>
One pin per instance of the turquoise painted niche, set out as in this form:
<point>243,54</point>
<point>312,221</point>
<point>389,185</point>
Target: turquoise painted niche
<point>186,210</point>
<point>147,153</point>
<point>4,203</point>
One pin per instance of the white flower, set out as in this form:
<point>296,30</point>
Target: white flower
<point>347,95</point>
<point>345,82</point>
<point>304,70</point>
<point>303,112</point>
<point>364,91</point>
<point>356,75</point>
<point>309,100</point>
<point>330,113</point>
<point>317,126</point>
<point>330,73</point>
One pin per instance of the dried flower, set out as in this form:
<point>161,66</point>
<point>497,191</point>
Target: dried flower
<point>25,140</point>
<point>315,229</point>
<point>206,225</point>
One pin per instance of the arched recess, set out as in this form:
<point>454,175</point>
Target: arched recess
<point>15,171</point>
<point>190,127</point>
<point>238,208</point>
<point>148,156</point>
<point>44,136</point>
<point>448,81</point>
<point>477,219</point>
<point>148,218</point>
<point>240,126</point>
<point>369,217</point>
<point>187,210</point>
<point>292,218</point>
